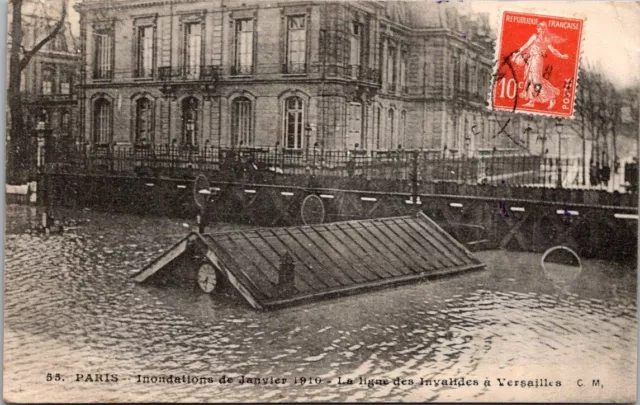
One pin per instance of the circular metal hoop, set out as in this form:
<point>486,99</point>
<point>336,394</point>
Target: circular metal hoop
<point>566,275</point>
<point>200,184</point>
<point>207,278</point>
<point>312,210</point>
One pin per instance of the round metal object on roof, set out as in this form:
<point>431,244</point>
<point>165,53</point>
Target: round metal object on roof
<point>312,210</point>
<point>207,278</point>
<point>201,190</point>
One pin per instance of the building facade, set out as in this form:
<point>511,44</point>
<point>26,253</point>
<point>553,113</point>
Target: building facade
<point>47,82</point>
<point>292,74</point>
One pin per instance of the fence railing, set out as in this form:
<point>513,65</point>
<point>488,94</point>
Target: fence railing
<point>220,162</point>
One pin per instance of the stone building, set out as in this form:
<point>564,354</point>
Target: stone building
<point>47,83</point>
<point>338,75</point>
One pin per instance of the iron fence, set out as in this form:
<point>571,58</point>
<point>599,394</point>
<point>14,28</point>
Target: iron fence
<point>175,160</point>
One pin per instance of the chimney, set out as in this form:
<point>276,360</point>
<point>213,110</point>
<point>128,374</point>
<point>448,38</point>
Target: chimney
<point>286,274</point>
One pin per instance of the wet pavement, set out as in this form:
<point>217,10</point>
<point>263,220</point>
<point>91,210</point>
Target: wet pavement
<point>71,308</point>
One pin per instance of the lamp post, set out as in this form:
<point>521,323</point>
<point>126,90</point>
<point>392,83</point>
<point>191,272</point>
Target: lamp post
<point>559,126</point>
<point>527,134</point>
<point>527,147</point>
<point>543,138</point>
<point>307,137</point>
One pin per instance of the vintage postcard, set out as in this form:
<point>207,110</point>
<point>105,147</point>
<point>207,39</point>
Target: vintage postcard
<point>327,201</point>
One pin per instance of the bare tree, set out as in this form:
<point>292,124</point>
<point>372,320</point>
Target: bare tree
<point>20,55</point>
<point>598,109</point>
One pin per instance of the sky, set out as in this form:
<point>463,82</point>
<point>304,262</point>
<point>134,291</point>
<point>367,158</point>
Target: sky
<point>611,31</point>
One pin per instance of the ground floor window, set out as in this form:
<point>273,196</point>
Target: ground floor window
<point>189,121</point>
<point>102,128</point>
<point>65,118</point>
<point>143,120</point>
<point>241,122</point>
<point>293,122</point>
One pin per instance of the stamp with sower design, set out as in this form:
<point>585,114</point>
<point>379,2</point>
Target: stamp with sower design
<point>537,64</point>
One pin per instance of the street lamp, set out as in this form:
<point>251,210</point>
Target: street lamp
<point>527,134</point>
<point>307,137</point>
<point>559,126</point>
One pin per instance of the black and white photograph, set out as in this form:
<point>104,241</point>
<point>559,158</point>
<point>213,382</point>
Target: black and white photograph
<point>321,201</point>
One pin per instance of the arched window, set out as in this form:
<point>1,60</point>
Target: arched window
<point>102,122</point>
<point>143,120</point>
<point>391,127</point>
<point>293,122</point>
<point>189,121</point>
<point>65,118</point>
<point>241,122</point>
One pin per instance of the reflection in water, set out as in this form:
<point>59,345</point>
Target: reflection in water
<point>72,308</point>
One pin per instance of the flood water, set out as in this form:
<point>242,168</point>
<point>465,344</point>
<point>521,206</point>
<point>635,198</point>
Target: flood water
<point>71,308</point>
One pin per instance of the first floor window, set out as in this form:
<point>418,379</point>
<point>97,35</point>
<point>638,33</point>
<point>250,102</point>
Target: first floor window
<point>102,122</point>
<point>293,118</point>
<point>102,54</point>
<point>241,122</point>
<point>144,120</point>
<point>392,68</point>
<point>189,121</point>
<point>47,80</point>
<point>296,44</point>
<point>356,44</point>
<point>192,50</point>
<point>144,62</point>
<point>244,47</point>
<point>65,83</point>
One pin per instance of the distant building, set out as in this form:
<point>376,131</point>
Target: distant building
<point>47,83</point>
<point>250,73</point>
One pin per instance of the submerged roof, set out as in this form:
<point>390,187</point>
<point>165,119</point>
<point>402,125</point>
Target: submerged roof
<point>330,259</point>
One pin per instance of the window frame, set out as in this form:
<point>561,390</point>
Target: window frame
<point>65,125</point>
<point>141,71</point>
<point>238,67</point>
<point>103,70</point>
<point>186,44</point>
<point>299,68</point>
<point>242,109</point>
<point>392,66</point>
<point>356,39</point>
<point>379,126</point>
<point>48,87</point>
<point>298,123</point>
<point>391,126</point>
<point>402,131</point>
<point>65,74</point>
<point>196,122</point>
<point>150,119</point>
<point>98,122</point>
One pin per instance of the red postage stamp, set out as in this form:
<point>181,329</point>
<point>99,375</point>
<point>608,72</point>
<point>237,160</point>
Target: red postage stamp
<point>537,64</point>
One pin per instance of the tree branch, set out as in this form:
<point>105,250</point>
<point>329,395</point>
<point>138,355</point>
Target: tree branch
<point>56,29</point>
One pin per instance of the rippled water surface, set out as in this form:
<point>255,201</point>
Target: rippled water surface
<point>72,308</point>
